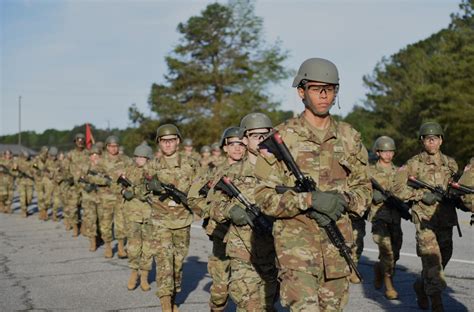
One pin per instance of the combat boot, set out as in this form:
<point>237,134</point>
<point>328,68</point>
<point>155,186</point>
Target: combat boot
<point>54,217</point>
<point>437,303</point>
<point>132,281</point>
<point>40,215</point>
<point>390,291</point>
<point>24,214</point>
<point>93,244</point>
<point>45,215</point>
<point>166,304</point>
<point>67,225</point>
<point>75,230</point>
<point>121,253</point>
<point>144,280</point>
<point>378,275</point>
<point>354,279</point>
<point>421,297</point>
<point>108,250</point>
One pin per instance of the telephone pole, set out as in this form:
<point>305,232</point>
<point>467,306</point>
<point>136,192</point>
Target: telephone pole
<point>19,120</point>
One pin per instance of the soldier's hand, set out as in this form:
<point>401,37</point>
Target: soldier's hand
<point>330,203</point>
<point>430,198</point>
<point>239,216</point>
<point>377,197</point>
<point>128,194</point>
<point>321,219</point>
<point>154,185</point>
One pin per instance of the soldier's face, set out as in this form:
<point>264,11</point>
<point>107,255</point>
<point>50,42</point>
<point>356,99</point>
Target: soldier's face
<point>320,96</point>
<point>94,158</point>
<point>140,161</point>
<point>235,149</point>
<point>205,155</point>
<point>432,143</point>
<point>188,149</point>
<point>216,152</point>
<point>386,156</point>
<point>80,143</point>
<point>255,137</point>
<point>168,144</point>
<point>113,148</point>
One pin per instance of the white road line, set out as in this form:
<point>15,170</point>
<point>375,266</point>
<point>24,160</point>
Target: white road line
<point>415,256</point>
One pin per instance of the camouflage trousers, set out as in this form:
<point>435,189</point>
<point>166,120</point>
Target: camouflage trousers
<point>72,204</point>
<point>435,248</point>
<point>40,192</point>
<point>140,245</point>
<point>113,216</point>
<point>90,217</point>
<point>388,237</point>
<point>52,196</point>
<point>358,232</point>
<point>252,289</point>
<point>6,194</point>
<point>171,247</point>
<point>218,266</point>
<point>305,292</point>
<point>25,192</point>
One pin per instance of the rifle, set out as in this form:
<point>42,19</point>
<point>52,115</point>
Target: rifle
<point>172,192</point>
<point>392,201</point>
<point>259,222</point>
<point>275,145</point>
<point>446,196</point>
<point>95,173</point>
<point>204,190</point>
<point>4,169</point>
<point>460,189</point>
<point>89,186</point>
<point>123,181</point>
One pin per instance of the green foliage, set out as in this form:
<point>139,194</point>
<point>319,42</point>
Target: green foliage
<point>219,71</point>
<point>429,80</point>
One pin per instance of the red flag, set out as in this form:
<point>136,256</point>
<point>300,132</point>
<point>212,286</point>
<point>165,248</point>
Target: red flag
<point>89,137</point>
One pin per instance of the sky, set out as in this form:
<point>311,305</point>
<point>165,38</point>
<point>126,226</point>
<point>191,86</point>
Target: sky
<point>78,61</point>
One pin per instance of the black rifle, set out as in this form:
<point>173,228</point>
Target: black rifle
<point>123,181</point>
<point>204,190</point>
<point>392,201</point>
<point>4,169</point>
<point>459,189</point>
<point>172,192</point>
<point>275,145</point>
<point>95,173</point>
<point>89,186</point>
<point>258,221</point>
<point>446,196</point>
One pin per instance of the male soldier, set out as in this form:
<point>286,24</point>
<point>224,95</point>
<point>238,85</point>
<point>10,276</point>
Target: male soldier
<point>205,154</point>
<point>216,153</point>
<point>253,283</point>
<point>386,221</point>
<point>111,210</point>
<point>467,179</point>
<point>313,274</point>
<point>25,181</point>
<point>170,217</point>
<point>39,166</point>
<point>76,166</point>
<point>137,216</point>
<point>434,217</point>
<point>6,182</point>
<point>51,195</point>
<point>188,149</point>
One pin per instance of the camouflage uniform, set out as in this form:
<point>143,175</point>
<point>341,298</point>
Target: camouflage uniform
<point>76,164</point>
<point>39,165</point>
<point>312,272</point>
<point>253,278</point>
<point>358,232</point>
<point>172,222</point>
<point>386,221</point>
<point>434,223</point>
<point>25,185</point>
<point>6,186</point>
<point>468,179</point>
<point>51,195</point>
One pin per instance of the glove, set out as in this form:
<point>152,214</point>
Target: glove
<point>128,195</point>
<point>154,185</point>
<point>332,204</point>
<point>430,198</point>
<point>239,216</point>
<point>377,197</point>
<point>321,219</point>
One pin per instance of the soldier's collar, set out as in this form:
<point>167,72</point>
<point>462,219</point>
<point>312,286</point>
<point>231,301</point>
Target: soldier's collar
<point>303,123</point>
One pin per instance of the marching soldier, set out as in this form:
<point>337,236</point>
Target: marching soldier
<point>313,274</point>
<point>39,166</point>
<point>467,179</point>
<point>51,195</point>
<point>25,180</point>
<point>6,182</point>
<point>434,218</point>
<point>188,149</point>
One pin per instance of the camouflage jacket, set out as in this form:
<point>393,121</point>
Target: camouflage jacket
<point>137,209</point>
<point>338,162</point>
<point>384,177</point>
<point>76,163</point>
<point>436,171</point>
<point>242,241</point>
<point>113,167</point>
<point>23,165</point>
<point>6,178</point>
<point>467,179</point>
<point>38,165</point>
<point>178,171</point>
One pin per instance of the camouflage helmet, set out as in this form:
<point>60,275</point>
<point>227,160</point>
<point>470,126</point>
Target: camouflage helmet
<point>384,143</point>
<point>95,149</point>
<point>215,146</point>
<point>188,142</point>
<point>79,136</point>
<point>167,129</point>
<point>143,150</point>
<point>44,149</point>
<point>25,153</point>
<point>231,132</point>
<point>205,149</point>
<point>431,128</point>
<point>111,139</point>
<point>100,144</point>
<point>317,69</point>
<point>53,151</point>
<point>255,121</point>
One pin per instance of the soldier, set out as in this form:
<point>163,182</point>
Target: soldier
<point>216,154</point>
<point>386,221</point>
<point>434,218</point>
<point>188,149</point>
<point>6,182</point>
<point>253,283</point>
<point>467,179</point>
<point>111,210</point>
<point>24,181</point>
<point>39,166</point>
<point>171,218</point>
<point>76,166</point>
<point>137,215</point>
<point>51,195</point>
<point>312,272</point>
<point>205,161</point>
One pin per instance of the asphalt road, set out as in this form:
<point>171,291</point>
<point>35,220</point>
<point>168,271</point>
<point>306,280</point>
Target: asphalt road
<point>43,268</point>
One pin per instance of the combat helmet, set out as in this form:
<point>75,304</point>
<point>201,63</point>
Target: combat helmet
<point>316,69</point>
<point>95,149</point>
<point>431,128</point>
<point>79,136</point>
<point>231,132</point>
<point>167,129</point>
<point>143,150</point>
<point>255,121</point>
<point>188,142</point>
<point>111,139</point>
<point>53,151</point>
<point>205,149</point>
<point>384,143</point>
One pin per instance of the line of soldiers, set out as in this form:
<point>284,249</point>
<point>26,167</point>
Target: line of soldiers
<point>282,206</point>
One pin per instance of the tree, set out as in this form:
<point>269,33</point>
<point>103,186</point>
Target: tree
<point>219,71</point>
<point>429,80</point>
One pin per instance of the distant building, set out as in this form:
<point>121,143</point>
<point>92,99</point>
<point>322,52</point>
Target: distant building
<point>16,149</point>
